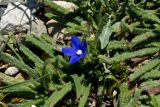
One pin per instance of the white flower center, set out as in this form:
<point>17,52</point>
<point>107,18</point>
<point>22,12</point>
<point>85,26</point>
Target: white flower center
<point>79,52</point>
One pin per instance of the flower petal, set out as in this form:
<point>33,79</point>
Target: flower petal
<point>75,42</point>
<point>84,54</point>
<point>74,59</point>
<point>69,51</point>
<point>83,46</point>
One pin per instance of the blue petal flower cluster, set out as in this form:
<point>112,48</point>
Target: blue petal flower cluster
<point>77,51</point>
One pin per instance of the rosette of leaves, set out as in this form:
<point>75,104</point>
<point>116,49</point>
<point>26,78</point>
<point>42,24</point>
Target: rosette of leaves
<point>49,78</point>
<point>137,48</point>
<point>126,42</point>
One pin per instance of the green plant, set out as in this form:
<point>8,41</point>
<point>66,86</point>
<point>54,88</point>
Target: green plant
<point>123,57</point>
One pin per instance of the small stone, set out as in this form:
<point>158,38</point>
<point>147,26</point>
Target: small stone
<point>67,5</point>
<point>3,66</point>
<point>114,93</point>
<point>55,30</point>
<point>33,106</point>
<point>11,71</point>
<point>20,77</point>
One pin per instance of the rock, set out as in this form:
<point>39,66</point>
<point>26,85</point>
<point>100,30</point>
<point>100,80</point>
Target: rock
<point>2,9</point>
<point>33,5</point>
<point>17,18</point>
<point>55,30</point>
<point>68,5</point>
<point>33,106</point>
<point>114,93</point>
<point>3,66</point>
<point>6,2</point>
<point>38,27</point>
<point>19,77</point>
<point>11,71</point>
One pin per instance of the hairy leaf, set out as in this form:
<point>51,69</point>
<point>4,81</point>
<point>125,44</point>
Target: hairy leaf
<point>58,95</point>
<point>83,100</point>
<point>78,85</point>
<point>143,69</point>
<point>107,30</point>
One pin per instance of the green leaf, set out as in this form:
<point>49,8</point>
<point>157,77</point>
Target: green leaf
<point>14,51</point>
<point>79,87</point>
<point>2,47</point>
<point>57,9</point>
<point>105,34</point>
<point>144,37</point>
<point>143,14</point>
<point>7,79</point>
<point>112,77</point>
<point>43,45</point>
<point>117,45</point>
<point>149,84</point>
<point>143,69</point>
<point>156,44</point>
<point>84,98</point>
<point>24,88</point>
<point>21,65</point>
<point>93,22</point>
<point>58,95</point>
<point>48,69</point>
<point>155,99</point>
<point>129,54</point>
<point>107,30</point>
<point>26,51</point>
<point>125,96</point>
<point>20,90</point>
<point>26,103</point>
<point>153,74</point>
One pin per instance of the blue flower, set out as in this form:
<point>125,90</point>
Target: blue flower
<point>77,51</point>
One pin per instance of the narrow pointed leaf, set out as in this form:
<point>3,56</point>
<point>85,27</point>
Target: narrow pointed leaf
<point>79,87</point>
<point>84,98</point>
<point>58,95</point>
